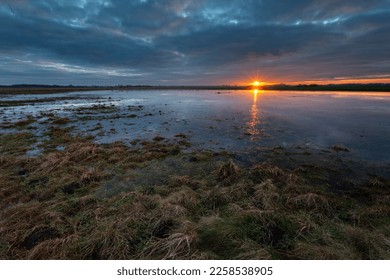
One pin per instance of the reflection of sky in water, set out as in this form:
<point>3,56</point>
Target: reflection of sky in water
<point>232,120</point>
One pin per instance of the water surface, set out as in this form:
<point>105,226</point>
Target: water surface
<point>230,120</point>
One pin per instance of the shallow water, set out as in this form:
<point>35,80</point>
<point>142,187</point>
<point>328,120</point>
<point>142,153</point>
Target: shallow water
<point>234,120</point>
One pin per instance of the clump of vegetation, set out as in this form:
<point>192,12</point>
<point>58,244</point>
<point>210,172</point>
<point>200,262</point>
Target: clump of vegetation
<point>156,200</point>
<point>16,144</point>
<point>25,122</point>
<point>340,148</point>
<point>227,169</point>
<point>61,121</point>
<point>97,108</point>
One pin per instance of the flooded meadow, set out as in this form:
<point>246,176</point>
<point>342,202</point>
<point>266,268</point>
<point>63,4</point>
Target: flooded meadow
<point>195,174</point>
<point>237,121</point>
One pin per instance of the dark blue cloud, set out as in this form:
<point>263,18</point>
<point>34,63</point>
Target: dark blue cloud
<point>189,42</point>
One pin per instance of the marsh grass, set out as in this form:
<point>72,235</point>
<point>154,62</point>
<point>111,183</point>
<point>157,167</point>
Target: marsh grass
<point>157,201</point>
<point>16,144</point>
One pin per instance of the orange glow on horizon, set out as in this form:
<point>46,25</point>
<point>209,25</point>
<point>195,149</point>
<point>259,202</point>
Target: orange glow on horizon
<point>257,83</point>
<point>342,81</point>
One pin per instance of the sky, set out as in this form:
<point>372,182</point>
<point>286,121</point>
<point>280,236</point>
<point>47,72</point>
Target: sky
<point>184,42</point>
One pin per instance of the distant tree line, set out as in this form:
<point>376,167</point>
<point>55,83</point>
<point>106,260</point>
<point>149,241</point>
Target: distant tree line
<point>331,87</point>
<point>308,87</point>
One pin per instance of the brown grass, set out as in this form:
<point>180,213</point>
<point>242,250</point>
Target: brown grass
<point>227,169</point>
<point>110,201</point>
<point>266,195</point>
<point>176,245</point>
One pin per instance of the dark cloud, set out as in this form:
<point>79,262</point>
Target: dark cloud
<point>187,42</point>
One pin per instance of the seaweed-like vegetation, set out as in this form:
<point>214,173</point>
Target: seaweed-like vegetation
<point>158,201</point>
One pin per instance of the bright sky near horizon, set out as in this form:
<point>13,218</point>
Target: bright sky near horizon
<point>188,42</point>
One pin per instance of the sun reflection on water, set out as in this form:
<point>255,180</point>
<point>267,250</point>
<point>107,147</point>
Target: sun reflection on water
<point>252,124</point>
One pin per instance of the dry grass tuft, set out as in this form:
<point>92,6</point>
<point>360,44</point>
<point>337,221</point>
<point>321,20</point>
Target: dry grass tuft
<point>176,245</point>
<point>110,240</point>
<point>61,121</point>
<point>53,161</point>
<point>312,251</point>
<point>293,178</point>
<point>180,180</point>
<point>172,210</point>
<point>207,221</point>
<point>83,151</point>
<point>266,195</point>
<point>216,197</point>
<point>185,197</point>
<point>227,169</point>
<point>375,182</point>
<point>310,201</point>
<point>270,170</point>
<point>253,251</point>
<point>56,248</point>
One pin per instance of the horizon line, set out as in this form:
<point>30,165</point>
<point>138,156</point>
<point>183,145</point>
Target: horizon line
<point>292,84</point>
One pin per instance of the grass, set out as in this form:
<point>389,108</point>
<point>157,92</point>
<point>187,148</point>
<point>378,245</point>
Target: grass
<point>157,200</point>
<point>15,144</point>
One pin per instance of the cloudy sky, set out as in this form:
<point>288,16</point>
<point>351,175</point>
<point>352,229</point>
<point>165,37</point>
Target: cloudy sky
<point>184,42</point>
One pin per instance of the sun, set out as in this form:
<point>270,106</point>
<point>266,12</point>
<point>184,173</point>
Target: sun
<point>256,83</point>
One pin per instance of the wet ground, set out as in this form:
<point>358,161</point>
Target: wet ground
<point>353,123</point>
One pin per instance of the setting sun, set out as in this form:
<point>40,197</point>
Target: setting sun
<point>256,83</point>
